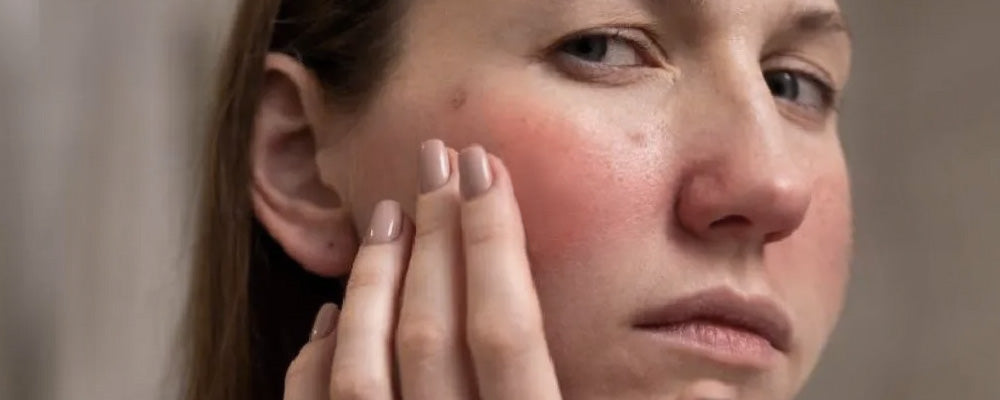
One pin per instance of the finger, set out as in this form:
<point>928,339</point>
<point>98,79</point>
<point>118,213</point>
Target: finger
<point>308,376</point>
<point>504,324</point>
<point>362,366</point>
<point>430,343</point>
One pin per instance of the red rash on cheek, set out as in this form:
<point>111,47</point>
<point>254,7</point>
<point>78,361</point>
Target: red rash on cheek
<point>812,265</point>
<point>574,190</point>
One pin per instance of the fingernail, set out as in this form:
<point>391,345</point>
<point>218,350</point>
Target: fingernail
<point>326,320</point>
<point>474,168</point>
<point>434,168</point>
<point>386,223</point>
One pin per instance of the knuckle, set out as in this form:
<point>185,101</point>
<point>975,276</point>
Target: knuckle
<point>479,232</point>
<point>434,225</point>
<point>363,278</point>
<point>421,340</point>
<point>347,384</point>
<point>297,369</point>
<point>502,339</point>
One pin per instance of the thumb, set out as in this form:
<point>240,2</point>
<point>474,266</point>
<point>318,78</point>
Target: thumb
<point>308,376</point>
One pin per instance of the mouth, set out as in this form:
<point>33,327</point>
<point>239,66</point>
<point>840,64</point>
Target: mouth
<point>723,326</point>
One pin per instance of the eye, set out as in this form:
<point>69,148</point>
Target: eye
<point>800,88</point>
<point>609,56</point>
<point>606,49</point>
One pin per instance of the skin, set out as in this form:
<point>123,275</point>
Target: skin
<point>621,187</point>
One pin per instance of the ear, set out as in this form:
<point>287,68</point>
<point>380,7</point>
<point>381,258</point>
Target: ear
<point>300,211</point>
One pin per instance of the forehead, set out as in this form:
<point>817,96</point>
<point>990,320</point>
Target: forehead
<point>692,8</point>
<point>694,17</point>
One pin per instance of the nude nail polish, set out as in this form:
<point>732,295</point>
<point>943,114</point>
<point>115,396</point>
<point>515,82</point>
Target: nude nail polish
<point>434,167</point>
<point>386,223</point>
<point>326,321</point>
<point>474,168</point>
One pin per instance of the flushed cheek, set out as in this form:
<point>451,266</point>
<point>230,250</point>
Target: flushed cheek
<point>576,184</point>
<point>811,268</point>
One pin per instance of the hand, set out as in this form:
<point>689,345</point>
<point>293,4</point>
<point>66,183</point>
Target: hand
<point>468,323</point>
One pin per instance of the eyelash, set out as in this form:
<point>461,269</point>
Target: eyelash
<point>638,39</point>
<point>649,56</point>
<point>828,95</point>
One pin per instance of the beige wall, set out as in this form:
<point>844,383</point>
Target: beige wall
<point>97,195</point>
<point>22,326</point>
<point>99,174</point>
<point>922,135</point>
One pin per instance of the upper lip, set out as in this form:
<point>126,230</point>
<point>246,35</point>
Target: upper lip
<point>755,314</point>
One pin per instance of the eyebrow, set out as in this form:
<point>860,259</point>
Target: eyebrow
<point>819,21</point>
<point>802,20</point>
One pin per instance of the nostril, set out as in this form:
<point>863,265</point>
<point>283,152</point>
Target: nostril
<point>730,221</point>
<point>776,236</point>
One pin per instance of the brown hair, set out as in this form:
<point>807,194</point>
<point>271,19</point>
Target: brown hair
<point>250,307</point>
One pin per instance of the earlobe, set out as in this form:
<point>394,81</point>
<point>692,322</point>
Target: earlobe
<point>324,243</point>
<point>300,211</point>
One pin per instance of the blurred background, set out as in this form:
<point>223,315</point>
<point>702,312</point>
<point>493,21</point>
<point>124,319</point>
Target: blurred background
<point>102,103</point>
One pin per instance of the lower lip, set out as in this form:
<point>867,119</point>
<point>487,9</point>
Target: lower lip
<point>719,343</point>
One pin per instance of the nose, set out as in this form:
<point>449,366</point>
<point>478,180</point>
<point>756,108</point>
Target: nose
<point>753,204</point>
<point>746,183</point>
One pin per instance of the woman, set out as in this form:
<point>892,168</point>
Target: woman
<point>590,199</point>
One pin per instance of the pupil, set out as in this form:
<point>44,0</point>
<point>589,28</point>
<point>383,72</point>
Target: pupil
<point>591,48</point>
<point>783,84</point>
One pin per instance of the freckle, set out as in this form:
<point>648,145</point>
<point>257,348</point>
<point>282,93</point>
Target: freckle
<point>637,139</point>
<point>458,99</point>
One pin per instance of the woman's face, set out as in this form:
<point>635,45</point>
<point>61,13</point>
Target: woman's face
<point>659,149</point>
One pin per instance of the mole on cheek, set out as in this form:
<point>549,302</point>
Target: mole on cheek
<point>638,139</point>
<point>458,98</point>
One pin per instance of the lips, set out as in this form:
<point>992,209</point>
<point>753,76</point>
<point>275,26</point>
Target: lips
<point>721,317</point>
